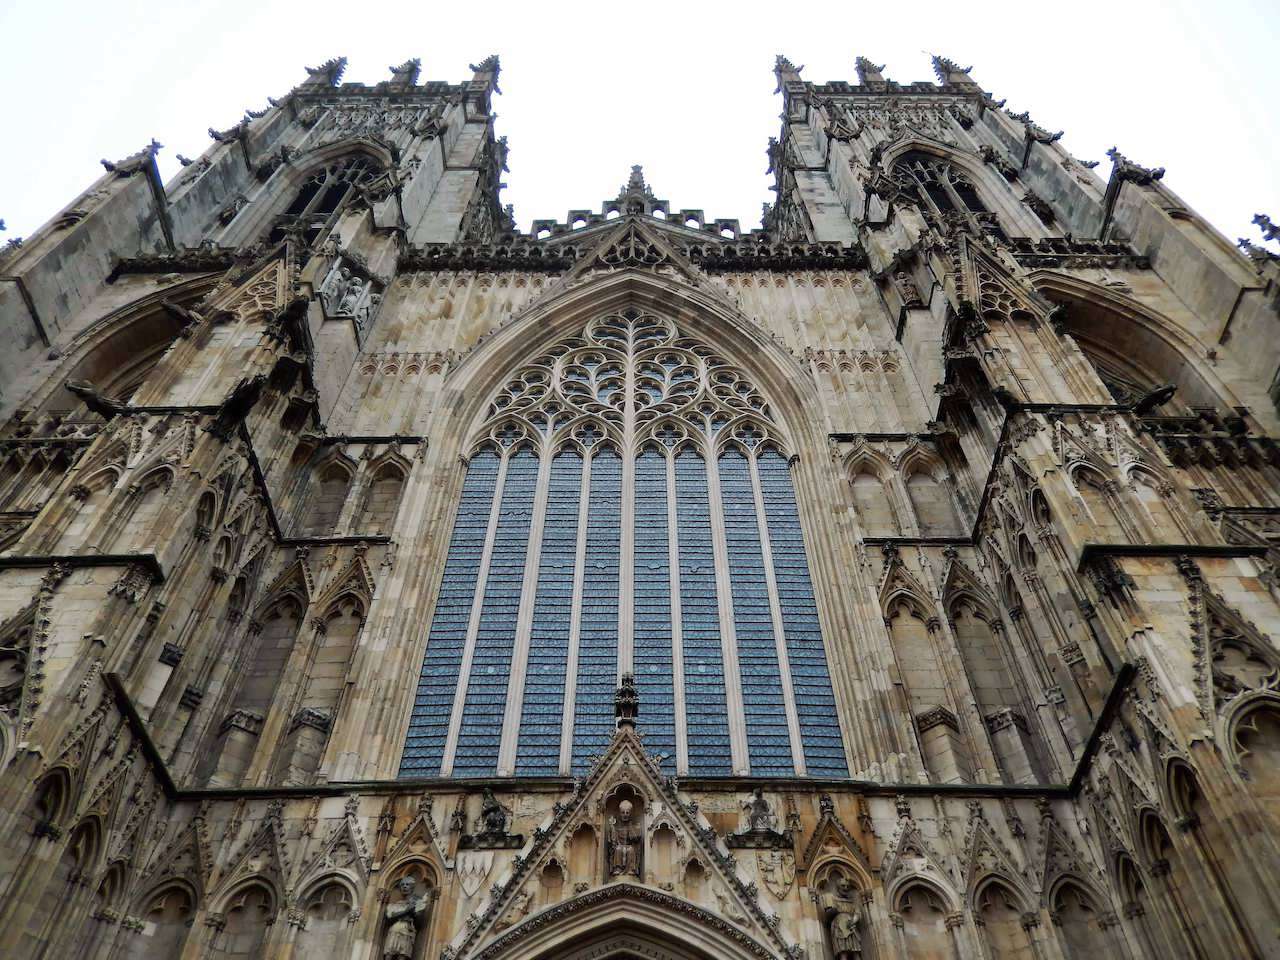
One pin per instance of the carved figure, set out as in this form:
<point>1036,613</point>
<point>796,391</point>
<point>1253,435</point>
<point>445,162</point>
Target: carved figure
<point>96,401</point>
<point>759,814</point>
<point>351,296</point>
<point>623,843</point>
<point>403,919</point>
<point>846,918</point>
<point>492,816</point>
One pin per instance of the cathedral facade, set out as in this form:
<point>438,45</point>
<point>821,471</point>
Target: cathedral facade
<point>381,582</point>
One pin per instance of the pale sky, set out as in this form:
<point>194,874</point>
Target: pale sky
<point>685,89</point>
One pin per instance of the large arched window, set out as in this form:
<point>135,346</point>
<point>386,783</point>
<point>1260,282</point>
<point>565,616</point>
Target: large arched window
<point>944,191</point>
<point>627,508</point>
<point>323,195</point>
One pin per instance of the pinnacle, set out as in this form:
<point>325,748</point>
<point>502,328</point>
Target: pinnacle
<point>636,184</point>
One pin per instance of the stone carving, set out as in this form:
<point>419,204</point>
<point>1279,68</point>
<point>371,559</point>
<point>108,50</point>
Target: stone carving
<point>492,827</point>
<point>622,843</point>
<point>844,919</point>
<point>404,919</point>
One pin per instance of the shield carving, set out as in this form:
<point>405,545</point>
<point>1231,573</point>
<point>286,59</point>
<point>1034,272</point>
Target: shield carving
<point>473,866</point>
<point>777,870</point>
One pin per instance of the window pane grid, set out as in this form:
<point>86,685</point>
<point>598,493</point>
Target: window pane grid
<point>482,714</point>
<point>598,641</point>
<point>654,669</point>
<point>704,692</point>
<point>815,702</point>
<point>540,724</point>
<point>429,722</point>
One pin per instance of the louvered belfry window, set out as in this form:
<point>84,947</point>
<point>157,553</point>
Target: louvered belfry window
<point>628,506</point>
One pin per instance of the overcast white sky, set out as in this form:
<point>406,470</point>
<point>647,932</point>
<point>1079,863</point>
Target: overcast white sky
<point>684,88</point>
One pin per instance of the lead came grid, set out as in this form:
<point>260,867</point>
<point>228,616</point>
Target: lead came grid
<point>477,753</point>
<point>540,724</point>
<point>429,726</point>
<point>598,646</point>
<point>768,740</point>
<point>629,385</point>
<point>704,694</point>
<point>810,679</point>
<point>653,660</point>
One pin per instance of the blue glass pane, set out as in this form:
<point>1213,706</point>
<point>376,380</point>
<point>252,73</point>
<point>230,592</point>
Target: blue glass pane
<point>704,694</point>
<point>486,700</point>
<point>598,643</point>
<point>429,723</point>
<point>768,739</point>
<point>653,662</point>
<point>538,751</point>
<point>819,727</point>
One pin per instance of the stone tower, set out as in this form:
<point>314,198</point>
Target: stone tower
<point>378,581</point>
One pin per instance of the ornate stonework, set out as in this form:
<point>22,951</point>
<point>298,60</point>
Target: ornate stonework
<point>937,620</point>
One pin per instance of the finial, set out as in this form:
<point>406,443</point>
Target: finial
<point>867,71</point>
<point>784,69</point>
<point>949,72</point>
<point>406,75</point>
<point>635,185</point>
<point>626,701</point>
<point>328,74</point>
<point>1270,231</point>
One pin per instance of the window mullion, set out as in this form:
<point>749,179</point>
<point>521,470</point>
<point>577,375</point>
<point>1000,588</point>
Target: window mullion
<point>626,548</point>
<point>677,631</point>
<point>728,629</point>
<point>779,630</point>
<point>575,623</point>
<point>473,625</point>
<point>524,624</point>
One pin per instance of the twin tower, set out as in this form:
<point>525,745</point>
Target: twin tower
<point>895,580</point>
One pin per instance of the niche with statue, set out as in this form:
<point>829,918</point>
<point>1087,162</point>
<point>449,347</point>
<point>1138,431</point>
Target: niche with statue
<point>407,903</point>
<point>842,907</point>
<point>624,811</point>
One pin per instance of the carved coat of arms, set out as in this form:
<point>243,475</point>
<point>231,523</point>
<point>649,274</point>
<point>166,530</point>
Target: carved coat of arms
<point>472,868</point>
<point>777,870</point>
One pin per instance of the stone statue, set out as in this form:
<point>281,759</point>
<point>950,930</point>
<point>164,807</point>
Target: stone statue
<point>492,816</point>
<point>334,287</point>
<point>846,917</point>
<point>351,296</point>
<point>759,815</point>
<point>403,919</point>
<point>623,843</point>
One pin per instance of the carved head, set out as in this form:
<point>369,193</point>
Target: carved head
<point>406,885</point>
<point>624,811</point>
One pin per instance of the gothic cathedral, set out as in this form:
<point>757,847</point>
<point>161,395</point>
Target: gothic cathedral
<point>381,582</point>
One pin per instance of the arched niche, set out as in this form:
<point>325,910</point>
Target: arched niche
<point>932,503</point>
<point>248,914</point>
<point>324,502</point>
<point>923,911</point>
<point>1133,349</point>
<point>872,501</point>
<point>1255,744</point>
<point>326,907</point>
<point>166,913</point>
<point>1000,911</point>
<point>382,499</point>
<point>1084,925</point>
<point>842,892</point>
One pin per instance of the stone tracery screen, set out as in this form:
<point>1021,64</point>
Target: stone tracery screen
<point>627,506</point>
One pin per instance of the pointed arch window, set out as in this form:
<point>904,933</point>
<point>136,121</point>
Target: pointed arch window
<point>323,194</point>
<point>945,191</point>
<point>627,507</point>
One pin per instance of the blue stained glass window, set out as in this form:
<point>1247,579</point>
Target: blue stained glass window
<point>538,752</point>
<point>704,694</point>
<point>593,723</point>
<point>768,738</point>
<point>482,713</point>
<point>429,723</point>
<point>815,703</point>
<point>653,662</point>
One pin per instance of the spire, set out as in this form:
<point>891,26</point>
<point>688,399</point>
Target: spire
<point>868,72</point>
<point>328,74</point>
<point>635,193</point>
<point>785,71</point>
<point>405,75</point>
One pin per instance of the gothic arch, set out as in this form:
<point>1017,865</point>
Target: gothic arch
<point>605,922</point>
<point>117,351</point>
<point>992,189</point>
<point>1169,353</point>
